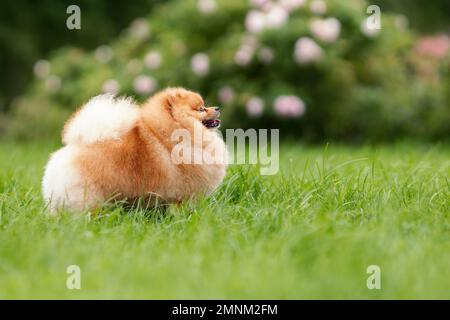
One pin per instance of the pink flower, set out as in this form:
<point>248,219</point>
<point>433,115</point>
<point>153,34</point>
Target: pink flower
<point>152,60</point>
<point>326,30</point>
<point>291,5</point>
<point>226,95</point>
<point>272,16</point>
<point>266,55</point>
<point>255,21</point>
<point>259,3</point>
<point>318,7</point>
<point>306,51</point>
<point>200,64</point>
<point>111,86</point>
<point>276,17</point>
<point>207,6</point>
<point>289,106</point>
<point>144,84</point>
<point>255,107</point>
<point>41,68</point>
<point>433,46</point>
<point>244,55</point>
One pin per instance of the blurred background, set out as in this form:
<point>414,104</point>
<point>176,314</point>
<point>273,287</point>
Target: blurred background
<point>309,67</point>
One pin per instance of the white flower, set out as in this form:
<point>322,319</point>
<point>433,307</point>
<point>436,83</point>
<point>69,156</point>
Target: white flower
<point>290,5</point>
<point>244,55</point>
<point>266,55</point>
<point>41,68</point>
<point>276,17</point>
<point>111,86</point>
<point>369,30</point>
<point>289,106</point>
<point>200,64</point>
<point>306,50</point>
<point>144,84</point>
<point>226,95</point>
<point>207,6</point>
<point>255,21</point>
<point>255,107</point>
<point>326,30</point>
<point>103,54</point>
<point>152,60</point>
<point>140,28</point>
<point>318,7</point>
<point>53,83</point>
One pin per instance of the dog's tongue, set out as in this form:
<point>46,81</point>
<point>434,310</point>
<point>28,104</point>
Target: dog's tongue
<point>211,123</point>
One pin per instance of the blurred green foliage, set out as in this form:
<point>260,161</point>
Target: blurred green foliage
<point>424,16</point>
<point>355,85</point>
<point>29,30</point>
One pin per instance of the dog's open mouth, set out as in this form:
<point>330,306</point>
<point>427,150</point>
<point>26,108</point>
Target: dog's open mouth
<point>213,123</point>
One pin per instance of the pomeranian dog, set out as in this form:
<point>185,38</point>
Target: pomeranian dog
<point>116,150</point>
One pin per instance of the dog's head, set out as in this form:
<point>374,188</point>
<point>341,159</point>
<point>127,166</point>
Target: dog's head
<point>185,105</point>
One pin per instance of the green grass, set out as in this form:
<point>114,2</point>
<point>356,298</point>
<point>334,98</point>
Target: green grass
<point>309,232</point>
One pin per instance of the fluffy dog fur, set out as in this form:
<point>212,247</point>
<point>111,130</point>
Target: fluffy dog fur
<point>117,150</point>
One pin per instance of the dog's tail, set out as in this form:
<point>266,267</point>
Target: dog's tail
<point>103,117</point>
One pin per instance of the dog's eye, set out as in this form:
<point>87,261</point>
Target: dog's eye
<point>202,109</point>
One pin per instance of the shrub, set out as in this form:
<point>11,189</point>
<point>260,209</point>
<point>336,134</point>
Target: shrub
<point>311,68</point>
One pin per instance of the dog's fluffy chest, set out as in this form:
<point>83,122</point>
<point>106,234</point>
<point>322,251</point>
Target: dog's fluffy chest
<point>202,171</point>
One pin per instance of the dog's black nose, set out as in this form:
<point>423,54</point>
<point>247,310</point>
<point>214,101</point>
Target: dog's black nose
<point>216,108</point>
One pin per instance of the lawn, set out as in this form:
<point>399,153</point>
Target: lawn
<point>310,231</point>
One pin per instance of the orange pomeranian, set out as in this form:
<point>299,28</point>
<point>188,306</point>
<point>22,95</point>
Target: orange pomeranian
<point>115,150</point>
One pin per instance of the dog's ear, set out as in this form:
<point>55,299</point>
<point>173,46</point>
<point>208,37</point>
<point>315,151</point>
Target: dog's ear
<point>170,100</point>
<point>171,97</point>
